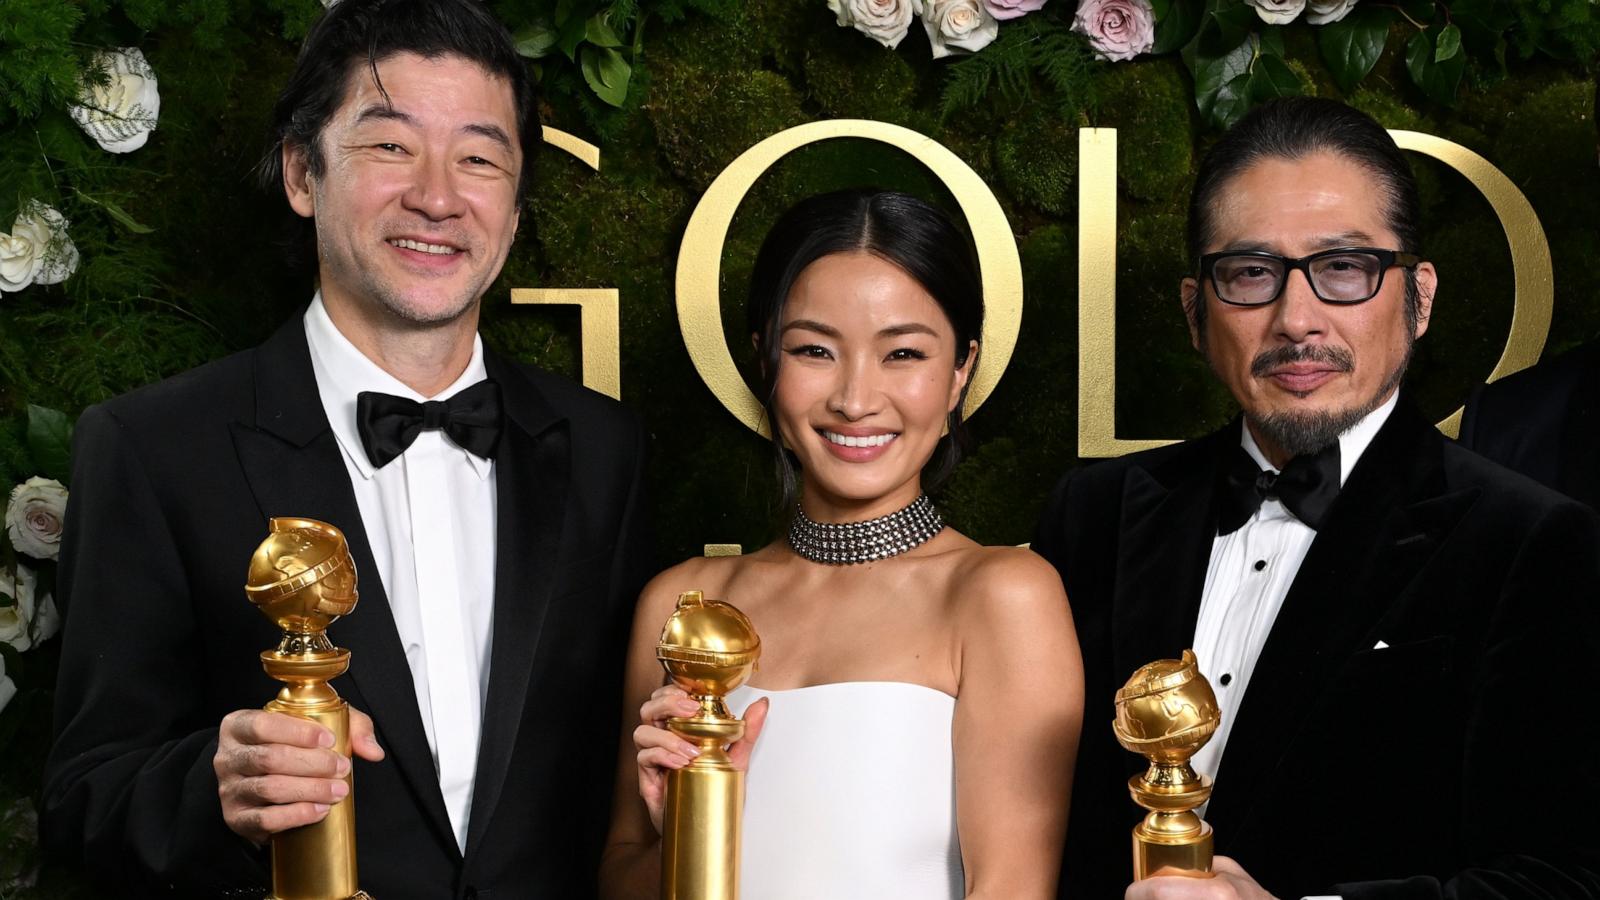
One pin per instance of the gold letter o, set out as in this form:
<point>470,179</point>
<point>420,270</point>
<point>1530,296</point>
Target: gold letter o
<point>700,257</point>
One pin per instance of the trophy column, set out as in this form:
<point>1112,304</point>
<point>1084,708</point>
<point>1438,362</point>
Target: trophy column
<point>708,648</point>
<point>302,578</point>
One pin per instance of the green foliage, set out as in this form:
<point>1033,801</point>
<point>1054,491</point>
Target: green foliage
<point>1030,56</point>
<point>1149,107</point>
<point>1036,155</point>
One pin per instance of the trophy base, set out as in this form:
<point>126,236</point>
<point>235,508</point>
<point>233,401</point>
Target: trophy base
<point>1190,858</point>
<point>358,895</point>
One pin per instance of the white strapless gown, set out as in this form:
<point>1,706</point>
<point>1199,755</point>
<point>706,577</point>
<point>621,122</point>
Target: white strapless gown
<point>851,795</point>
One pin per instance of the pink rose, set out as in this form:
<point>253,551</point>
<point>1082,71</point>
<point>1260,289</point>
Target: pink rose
<point>1117,29</point>
<point>1011,9</point>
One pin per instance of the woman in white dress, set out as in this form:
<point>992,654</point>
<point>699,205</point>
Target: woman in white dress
<point>912,728</point>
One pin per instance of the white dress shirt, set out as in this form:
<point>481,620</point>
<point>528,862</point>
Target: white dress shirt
<point>1250,572</point>
<point>429,516</point>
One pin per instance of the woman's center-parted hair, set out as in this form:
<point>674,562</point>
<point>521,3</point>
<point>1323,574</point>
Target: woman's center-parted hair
<point>913,235</point>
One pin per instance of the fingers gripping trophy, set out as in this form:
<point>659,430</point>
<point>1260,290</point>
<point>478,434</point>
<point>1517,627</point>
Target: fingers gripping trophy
<point>302,578</point>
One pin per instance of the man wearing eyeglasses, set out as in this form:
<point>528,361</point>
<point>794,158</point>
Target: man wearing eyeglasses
<point>1401,635</point>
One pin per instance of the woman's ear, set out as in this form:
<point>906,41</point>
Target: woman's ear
<point>958,385</point>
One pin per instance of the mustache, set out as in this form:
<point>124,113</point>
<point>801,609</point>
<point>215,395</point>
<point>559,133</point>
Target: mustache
<point>1336,357</point>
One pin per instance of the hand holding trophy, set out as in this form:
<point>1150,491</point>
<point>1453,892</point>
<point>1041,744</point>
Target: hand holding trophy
<point>708,647</point>
<point>302,578</point>
<point>1166,712</point>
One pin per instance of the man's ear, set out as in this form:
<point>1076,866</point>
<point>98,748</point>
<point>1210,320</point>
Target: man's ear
<point>1427,287</point>
<point>1189,292</point>
<point>298,181</point>
<point>963,375</point>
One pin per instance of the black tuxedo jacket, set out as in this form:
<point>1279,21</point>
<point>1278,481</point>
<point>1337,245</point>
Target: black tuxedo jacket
<point>1430,768</point>
<point>1544,422</point>
<point>172,488</point>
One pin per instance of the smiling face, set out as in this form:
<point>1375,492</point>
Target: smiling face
<point>1303,370</point>
<point>867,377</point>
<point>416,206</point>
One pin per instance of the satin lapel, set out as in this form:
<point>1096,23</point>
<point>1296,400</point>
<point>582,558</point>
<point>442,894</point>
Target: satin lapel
<point>1168,522</point>
<point>1389,520</point>
<point>292,462</point>
<point>532,472</point>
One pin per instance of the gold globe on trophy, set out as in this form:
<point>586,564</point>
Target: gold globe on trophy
<point>1166,712</point>
<point>302,578</point>
<point>708,648</point>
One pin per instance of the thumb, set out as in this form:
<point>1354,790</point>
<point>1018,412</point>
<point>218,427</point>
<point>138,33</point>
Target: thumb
<point>363,740</point>
<point>755,719</point>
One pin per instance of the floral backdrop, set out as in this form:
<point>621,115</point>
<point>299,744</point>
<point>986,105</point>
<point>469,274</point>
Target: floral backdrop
<point>139,245</point>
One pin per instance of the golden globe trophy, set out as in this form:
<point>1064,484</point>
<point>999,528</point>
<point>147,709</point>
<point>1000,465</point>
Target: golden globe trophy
<point>1166,712</point>
<point>708,648</point>
<point>302,578</point>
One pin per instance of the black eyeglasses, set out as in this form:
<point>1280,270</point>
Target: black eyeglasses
<point>1344,276</point>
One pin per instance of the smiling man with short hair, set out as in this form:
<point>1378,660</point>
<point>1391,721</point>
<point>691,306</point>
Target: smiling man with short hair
<point>494,513</point>
<point>1394,627</point>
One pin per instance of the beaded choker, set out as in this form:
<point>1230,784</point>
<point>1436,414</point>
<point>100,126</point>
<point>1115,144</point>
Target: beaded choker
<point>848,543</point>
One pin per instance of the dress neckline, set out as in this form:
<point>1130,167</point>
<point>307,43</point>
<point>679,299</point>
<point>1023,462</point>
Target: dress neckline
<point>843,684</point>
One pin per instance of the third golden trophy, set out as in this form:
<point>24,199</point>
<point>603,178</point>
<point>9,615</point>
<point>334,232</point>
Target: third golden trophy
<point>302,578</point>
<point>1166,712</point>
<point>708,648</point>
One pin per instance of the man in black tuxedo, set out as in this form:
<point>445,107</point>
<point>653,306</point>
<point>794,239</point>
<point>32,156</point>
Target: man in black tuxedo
<point>1544,422</point>
<point>1414,625</point>
<point>494,513</point>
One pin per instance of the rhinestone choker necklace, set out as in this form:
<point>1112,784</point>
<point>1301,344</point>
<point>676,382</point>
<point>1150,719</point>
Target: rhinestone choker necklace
<point>848,543</point>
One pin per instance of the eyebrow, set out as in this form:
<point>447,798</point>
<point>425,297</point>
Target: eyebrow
<point>384,112</point>
<point>830,331</point>
<point>1327,242</point>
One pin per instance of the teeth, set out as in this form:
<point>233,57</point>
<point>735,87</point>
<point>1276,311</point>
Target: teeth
<point>846,440</point>
<point>407,244</point>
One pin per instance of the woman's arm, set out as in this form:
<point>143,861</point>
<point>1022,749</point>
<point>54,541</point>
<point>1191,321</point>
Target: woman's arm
<point>1018,713</point>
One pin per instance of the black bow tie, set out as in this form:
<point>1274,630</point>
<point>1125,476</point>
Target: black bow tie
<point>1307,487</point>
<point>388,424</point>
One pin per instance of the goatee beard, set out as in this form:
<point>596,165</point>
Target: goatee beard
<point>1306,433</point>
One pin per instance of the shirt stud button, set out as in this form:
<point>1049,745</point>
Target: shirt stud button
<point>1260,564</point>
<point>1225,679</point>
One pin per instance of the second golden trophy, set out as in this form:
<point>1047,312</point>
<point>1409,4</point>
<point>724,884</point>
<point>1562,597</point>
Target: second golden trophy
<point>1166,712</point>
<point>302,578</point>
<point>708,648</point>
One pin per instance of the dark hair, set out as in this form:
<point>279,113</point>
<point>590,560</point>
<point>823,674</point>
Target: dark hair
<point>1295,127</point>
<point>898,228</point>
<point>366,32</point>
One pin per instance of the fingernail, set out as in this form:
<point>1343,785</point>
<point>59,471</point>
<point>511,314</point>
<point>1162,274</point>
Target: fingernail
<point>340,789</point>
<point>690,751</point>
<point>320,807</point>
<point>325,738</point>
<point>343,768</point>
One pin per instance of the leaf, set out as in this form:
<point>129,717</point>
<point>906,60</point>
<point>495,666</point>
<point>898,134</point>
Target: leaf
<point>535,40</point>
<point>1438,80</point>
<point>117,213</point>
<point>1271,77</point>
<point>599,32</point>
<point>606,72</point>
<point>1177,26</point>
<point>1448,44</point>
<point>50,442</point>
<point>1352,45</point>
<point>569,34</point>
<point>1220,80</point>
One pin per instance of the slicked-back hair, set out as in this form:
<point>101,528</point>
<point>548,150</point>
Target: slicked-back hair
<point>1293,128</point>
<point>915,236</point>
<point>354,36</point>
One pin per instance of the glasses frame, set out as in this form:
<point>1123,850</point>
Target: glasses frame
<point>1387,259</point>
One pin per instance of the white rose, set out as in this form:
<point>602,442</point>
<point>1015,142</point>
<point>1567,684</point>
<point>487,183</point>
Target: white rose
<point>1326,12</point>
<point>8,688</point>
<point>885,21</point>
<point>38,250</point>
<point>35,515</point>
<point>1277,12</point>
<point>957,25</point>
<point>121,113</point>
<point>17,617</point>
